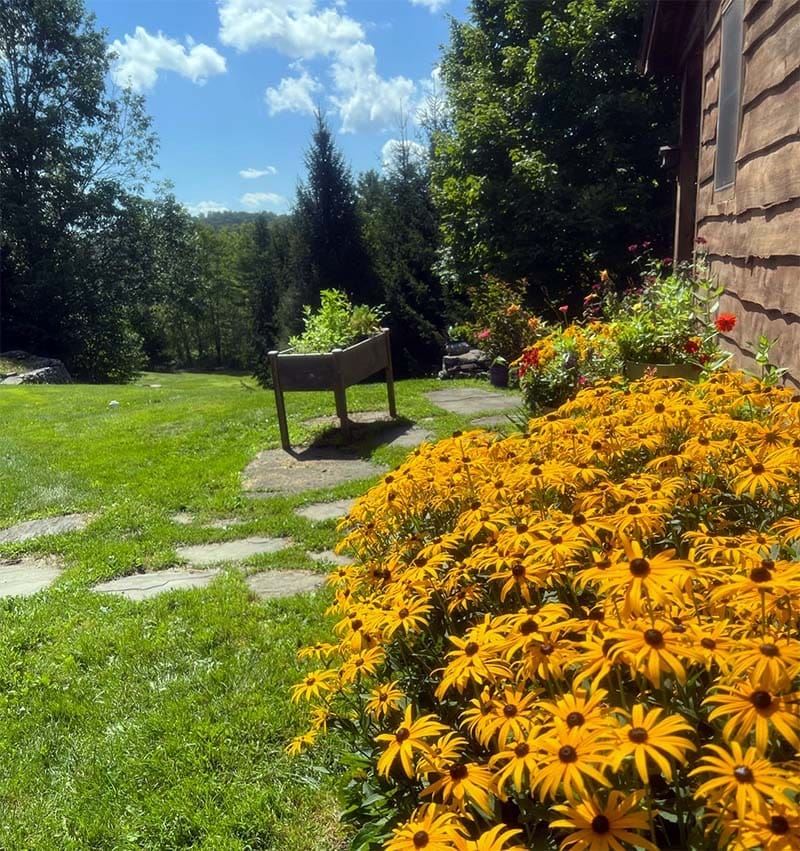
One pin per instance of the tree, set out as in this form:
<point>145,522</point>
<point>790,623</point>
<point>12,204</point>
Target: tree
<point>330,252</point>
<point>551,164</point>
<point>70,154</point>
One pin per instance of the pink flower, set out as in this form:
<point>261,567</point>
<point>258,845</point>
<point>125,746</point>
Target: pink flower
<point>482,335</point>
<point>564,308</point>
<point>667,261</point>
<point>646,244</point>
<point>633,249</point>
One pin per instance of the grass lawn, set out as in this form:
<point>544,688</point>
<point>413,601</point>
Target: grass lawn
<point>161,724</point>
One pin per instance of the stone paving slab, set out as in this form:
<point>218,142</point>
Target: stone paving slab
<point>27,576</point>
<point>143,586</point>
<point>46,526</point>
<point>182,518</point>
<point>330,557</point>
<point>355,417</point>
<point>284,583</point>
<point>200,555</point>
<point>493,421</point>
<point>469,400</point>
<point>278,473</point>
<point>320,511</point>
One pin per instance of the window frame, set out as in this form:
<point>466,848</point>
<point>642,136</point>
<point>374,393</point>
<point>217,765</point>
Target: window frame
<point>728,186</point>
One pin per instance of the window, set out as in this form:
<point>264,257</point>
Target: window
<point>730,95</point>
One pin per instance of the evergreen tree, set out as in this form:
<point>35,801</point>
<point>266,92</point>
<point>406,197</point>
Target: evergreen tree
<point>329,250</point>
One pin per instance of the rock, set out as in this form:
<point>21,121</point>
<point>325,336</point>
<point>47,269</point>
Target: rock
<point>18,367</point>
<point>320,511</point>
<point>469,401</point>
<point>330,557</point>
<point>46,526</point>
<point>201,555</point>
<point>468,364</point>
<point>284,583</point>
<point>27,576</point>
<point>142,586</point>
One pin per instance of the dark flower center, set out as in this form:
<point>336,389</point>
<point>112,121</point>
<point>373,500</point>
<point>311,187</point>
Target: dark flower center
<point>458,771</point>
<point>518,569</point>
<point>521,528</point>
<point>654,637</point>
<point>528,626</point>
<point>402,614</point>
<point>578,519</point>
<point>770,650</point>
<point>659,408</point>
<point>760,574</point>
<point>420,839</point>
<point>600,825</point>
<point>356,624</point>
<point>521,750</point>
<point>634,509</point>
<point>471,649</point>
<point>742,774</point>
<point>575,719</point>
<point>556,540</point>
<point>708,643</point>
<point>402,734</point>
<point>568,754</point>
<point>757,469</point>
<point>509,710</point>
<point>597,614</point>
<point>779,825</point>
<point>638,735</point>
<point>536,471</point>
<point>640,567</point>
<point>547,648</point>
<point>761,699</point>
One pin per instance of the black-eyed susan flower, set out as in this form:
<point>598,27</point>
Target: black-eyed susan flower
<point>750,781</point>
<point>498,838</point>
<point>407,739</point>
<point>568,759</point>
<point>776,828</point>
<point>384,699</point>
<point>611,826</point>
<point>520,761</point>
<point>650,737</point>
<point>463,783</point>
<point>430,828</point>
<point>656,649</point>
<point>315,684</point>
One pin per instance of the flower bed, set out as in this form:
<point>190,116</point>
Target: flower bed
<point>586,635</point>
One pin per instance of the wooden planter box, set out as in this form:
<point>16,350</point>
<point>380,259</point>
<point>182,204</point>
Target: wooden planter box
<point>336,371</point>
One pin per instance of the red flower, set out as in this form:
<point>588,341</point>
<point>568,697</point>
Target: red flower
<point>691,347</point>
<point>700,240</point>
<point>725,322</point>
<point>667,261</point>
<point>482,335</point>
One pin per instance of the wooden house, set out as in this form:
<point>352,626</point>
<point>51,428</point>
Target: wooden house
<point>738,159</point>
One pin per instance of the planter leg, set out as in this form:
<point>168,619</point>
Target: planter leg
<point>340,396</point>
<point>279,402</point>
<point>390,378</point>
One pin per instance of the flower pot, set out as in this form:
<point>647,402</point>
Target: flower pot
<point>498,375</point>
<point>634,370</point>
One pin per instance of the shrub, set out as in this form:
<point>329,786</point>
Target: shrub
<point>336,324</point>
<point>587,634</point>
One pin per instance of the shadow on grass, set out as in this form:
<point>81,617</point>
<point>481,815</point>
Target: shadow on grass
<point>363,437</point>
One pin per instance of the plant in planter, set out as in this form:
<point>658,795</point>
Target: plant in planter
<point>340,346</point>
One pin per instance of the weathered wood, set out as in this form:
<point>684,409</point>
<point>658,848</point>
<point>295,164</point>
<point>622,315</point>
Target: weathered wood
<point>772,118</point>
<point>773,59</point>
<point>686,203</point>
<point>711,89</point>
<point>709,133</point>
<point>763,17</point>
<point>390,378</point>
<point>340,393</point>
<point>755,234</point>
<point>708,154</point>
<point>768,180</point>
<point>773,283</point>
<point>280,405</point>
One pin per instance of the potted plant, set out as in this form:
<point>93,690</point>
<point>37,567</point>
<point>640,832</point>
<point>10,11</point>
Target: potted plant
<point>340,346</point>
<point>498,372</point>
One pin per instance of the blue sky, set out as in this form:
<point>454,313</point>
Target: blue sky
<point>230,84</point>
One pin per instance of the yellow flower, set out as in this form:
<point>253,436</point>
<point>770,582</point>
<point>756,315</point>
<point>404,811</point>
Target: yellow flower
<point>746,777</point>
<point>384,699</point>
<point>429,829</point>
<point>774,829</point>
<point>301,742</point>
<point>567,759</point>
<point>604,827</point>
<point>656,649</point>
<point>648,736</point>
<point>492,840</point>
<point>406,740</point>
<point>463,782</point>
<point>521,761</point>
<point>315,684</point>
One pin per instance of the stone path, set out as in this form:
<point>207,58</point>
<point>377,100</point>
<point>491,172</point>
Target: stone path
<point>143,586</point>
<point>46,526</point>
<point>27,576</point>
<point>186,518</point>
<point>200,555</point>
<point>330,557</point>
<point>468,400</point>
<point>372,428</point>
<point>318,512</point>
<point>330,421</point>
<point>278,473</point>
<point>284,583</point>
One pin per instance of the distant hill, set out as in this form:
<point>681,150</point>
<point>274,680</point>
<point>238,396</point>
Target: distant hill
<point>229,218</point>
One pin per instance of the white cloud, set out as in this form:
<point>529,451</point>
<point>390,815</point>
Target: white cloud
<point>390,152</point>
<point>259,200</point>
<point>365,100</point>
<point>294,94</point>
<point>202,208</point>
<point>294,27</point>
<point>141,56</point>
<point>253,173</point>
<point>433,5</point>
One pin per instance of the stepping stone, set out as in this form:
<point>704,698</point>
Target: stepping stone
<point>200,555</point>
<point>278,473</point>
<point>46,526</point>
<point>182,518</point>
<point>143,586</point>
<point>330,557</point>
<point>355,417</point>
<point>27,576</point>
<point>469,400</point>
<point>320,511</point>
<point>493,421</point>
<point>408,437</point>
<point>223,523</point>
<point>284,583</point>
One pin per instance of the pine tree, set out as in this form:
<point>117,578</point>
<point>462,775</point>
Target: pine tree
<point>330,252</point>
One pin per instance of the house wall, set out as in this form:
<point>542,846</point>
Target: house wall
<point>752,230</point>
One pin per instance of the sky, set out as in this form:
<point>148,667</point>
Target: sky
<point>231,85</point>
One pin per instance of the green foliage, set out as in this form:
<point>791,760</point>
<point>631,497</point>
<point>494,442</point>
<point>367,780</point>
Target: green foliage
<point>336,324</point>
<point>552,157</point>
<point>503,327</point>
